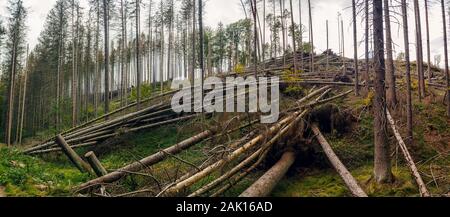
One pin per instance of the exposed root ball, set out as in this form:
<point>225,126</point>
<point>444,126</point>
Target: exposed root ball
<point>332,120</point>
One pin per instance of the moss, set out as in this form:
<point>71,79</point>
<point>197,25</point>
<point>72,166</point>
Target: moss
<point>311,184</point>
<point>28,176</point>
<point>327,183</point>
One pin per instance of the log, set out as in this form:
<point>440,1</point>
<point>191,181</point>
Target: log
<point>93,128</point>
<point>148,161</point>
<point>264,186</point>
<point>95,164</point>
<point>84,145</point>
<point>178,187</point>
<point>72,155</point>
<point>244,163</point>
<point>349,180</point>
<point>232,156</point>
<point>409,160</point>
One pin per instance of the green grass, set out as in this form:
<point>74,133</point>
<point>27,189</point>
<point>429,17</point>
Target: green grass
<point>23,175</point>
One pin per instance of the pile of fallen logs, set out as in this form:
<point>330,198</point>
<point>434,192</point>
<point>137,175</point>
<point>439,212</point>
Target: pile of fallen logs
<point>151,117</point>
<point>244,156</point>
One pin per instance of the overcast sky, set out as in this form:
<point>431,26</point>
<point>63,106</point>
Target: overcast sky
<point>228,11</point>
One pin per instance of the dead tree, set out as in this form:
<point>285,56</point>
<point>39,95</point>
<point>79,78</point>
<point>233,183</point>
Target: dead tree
<point>264,185</point>
<point>427,23</point>
<point>148,161</point>
<point>349,180</point>
<point>366,72</point>
<point>447,76</point>
<point>382,168</point>
<point>409,114</point>
<point>419,50</point>
<point>72,155</point>
<point>355,46</point>
<point>391,94</point>
<point>415,172</point>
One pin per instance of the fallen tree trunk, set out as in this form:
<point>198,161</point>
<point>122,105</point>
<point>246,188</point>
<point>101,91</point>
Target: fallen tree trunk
<point>148,161</point>
<point>92,129</point>
<point>72,155</point>
<point>264,186</point>
<point>409,160</point>
<point>95,164</point>
<point>349,180</point>
<point>84,145</point>
<point>244,163</point>
<point>233,156</point>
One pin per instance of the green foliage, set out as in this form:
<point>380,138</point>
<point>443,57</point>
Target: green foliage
<point>146,92</point>
<point>292,76</point>
<point>239,69</point>
<point>27,176</point>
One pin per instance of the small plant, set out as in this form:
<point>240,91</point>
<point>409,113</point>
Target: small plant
<point>239,69</point>
<point>369,99</point>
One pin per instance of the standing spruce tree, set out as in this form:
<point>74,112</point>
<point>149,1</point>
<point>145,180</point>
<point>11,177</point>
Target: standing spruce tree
<point>106,55</point>
<point>15,48</point>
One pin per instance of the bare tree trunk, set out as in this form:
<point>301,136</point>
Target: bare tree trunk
<point>427,23</point>
<point>349,180</point>
<point>409,114</point>
<point>74,96</point>
<point>264,185</point>
<point>311,36</point>
<point>301,33</point>
<point>391,94</point>
<point>138,53</point>
<point>293,37</point>
<point>106,28</point>
<point>355,45</point>
<point>193,42</point>
<point>419,50</point>
<point>202,50</point>
<point>11,93</point>
<point>25,79</point>
<point>148,161</point>
<point>283,27</point>
<point>366,72</point>
<point>382,169</point>
<point>409,160</point>
<point>328,47</point>
<point>447,76</point>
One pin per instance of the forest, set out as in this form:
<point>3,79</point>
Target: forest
<point>88,110</point>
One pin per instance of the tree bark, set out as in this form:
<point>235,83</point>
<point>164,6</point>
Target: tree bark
<point>349,180</point>
<point>264,186</point>
<point>148,161</point>
<point>427,23</point>
<point>415,172</point>
<point>106,29</point>
<point>355,46</point>
<point>409,114</point>
<point>419,50</point>
<point>95,164</point>
<point>72,155</point>
<point>447,75</point>
<point>382,169</point>
<point>391,94</point>
<point>367,36</point>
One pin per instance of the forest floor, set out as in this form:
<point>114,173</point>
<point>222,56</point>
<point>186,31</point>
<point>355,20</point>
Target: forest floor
<point>312,176</point>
